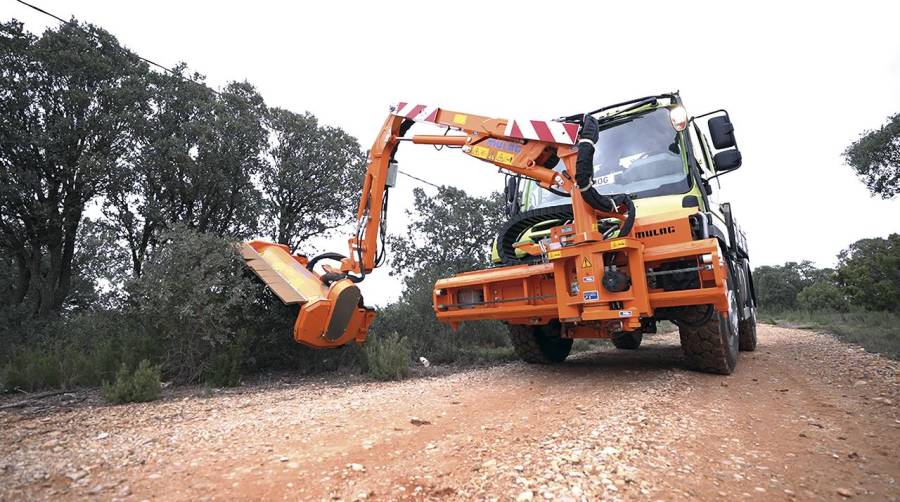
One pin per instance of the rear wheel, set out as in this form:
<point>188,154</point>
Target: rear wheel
<point>747,332</point>
<point>540,344</point>
<point>627,340</point>
<point>712,346</point>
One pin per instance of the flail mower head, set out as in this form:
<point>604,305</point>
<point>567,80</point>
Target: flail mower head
<point>330,315</point>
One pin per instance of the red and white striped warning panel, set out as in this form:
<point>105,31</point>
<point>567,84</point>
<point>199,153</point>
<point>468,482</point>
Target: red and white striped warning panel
<point>543,130</point>
<point>418,113</point>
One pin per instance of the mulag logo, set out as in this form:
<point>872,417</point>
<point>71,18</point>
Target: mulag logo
<point>655,232</point>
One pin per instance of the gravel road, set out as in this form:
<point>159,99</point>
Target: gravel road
<point>805,417</point>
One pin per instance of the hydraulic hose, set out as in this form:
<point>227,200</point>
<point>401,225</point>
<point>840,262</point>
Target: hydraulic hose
<point>584,178</point>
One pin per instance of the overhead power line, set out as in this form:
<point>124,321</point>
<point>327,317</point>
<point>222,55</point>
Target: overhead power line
<point>127,52</point>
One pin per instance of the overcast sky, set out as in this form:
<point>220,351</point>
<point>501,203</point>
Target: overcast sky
<point>800,83</point>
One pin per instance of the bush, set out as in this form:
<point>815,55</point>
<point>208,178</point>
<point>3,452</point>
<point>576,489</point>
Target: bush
<point>193,297</point>
<point>387,357</point>
<point>31,369</point>
<point>139,386</point>
<point>225,369</point>
<point>823,296</point>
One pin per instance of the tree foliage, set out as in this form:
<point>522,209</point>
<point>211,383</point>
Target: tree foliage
<point>448,233</point>
<point>68,100</point>
<point>313,179</point>
<point>869,269</point>
<point>875,157</point>
<point>777,286</point>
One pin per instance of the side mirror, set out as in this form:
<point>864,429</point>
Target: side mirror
<point>727,160</point>
<point>722,132</point>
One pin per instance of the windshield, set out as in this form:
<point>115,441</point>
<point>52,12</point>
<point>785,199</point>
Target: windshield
<point>639,155</point>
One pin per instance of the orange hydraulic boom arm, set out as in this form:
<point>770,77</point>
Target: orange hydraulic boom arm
<point>332,312</point>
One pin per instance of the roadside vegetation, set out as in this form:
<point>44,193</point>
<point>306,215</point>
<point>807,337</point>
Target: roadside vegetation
<point>123,193</point>
<point>858,301</point>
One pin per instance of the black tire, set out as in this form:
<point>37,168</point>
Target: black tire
<point>540,344</point>
<point>713,346</point>
<point>627,340</point>
<point>747,332</point>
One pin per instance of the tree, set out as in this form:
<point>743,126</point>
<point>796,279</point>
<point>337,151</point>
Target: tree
<point>197,155</point>
<point>67,100</point>
<point>869,269</point>
<point>825,295</point>
<point>875,157</point>
<point>449,233</point>
<point>777,286</point>
<point>314,178</point>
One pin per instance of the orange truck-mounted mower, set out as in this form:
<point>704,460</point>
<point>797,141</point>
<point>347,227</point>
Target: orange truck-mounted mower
<point>611,229</point>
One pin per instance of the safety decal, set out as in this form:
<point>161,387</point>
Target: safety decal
<point>486,153</point>
<point>418,113</point>
<point>542,130</point>
<point>586,263</point>
<point>554,255</point>
<point>617,244</point>
<point>460,119</point>
<point>481,152</point>
<point>624,313</point>
<point>591,296</point>
<point>588,278</point>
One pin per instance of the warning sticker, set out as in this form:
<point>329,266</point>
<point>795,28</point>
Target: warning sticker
<point>480,151</point>
<point>460,119</point>
<point>503,157</point>
<point>591,296</point>
<point>586,263</point>
<point>617,244</point>
<point>554,255</point>
<point>588,278</point>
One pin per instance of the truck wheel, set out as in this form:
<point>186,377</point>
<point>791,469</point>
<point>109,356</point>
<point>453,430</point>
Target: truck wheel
<point>628,340</point>
<point>540,344</point>
<point>712,347</point>
<point>747,332</point>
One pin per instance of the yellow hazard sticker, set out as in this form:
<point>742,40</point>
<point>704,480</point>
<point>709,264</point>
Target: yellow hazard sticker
<point>503,158</point>
<point>617,244</point>
<point>554,255</point>
<point>481,152</point>
<point>586,263</point>
<point>460,119</point>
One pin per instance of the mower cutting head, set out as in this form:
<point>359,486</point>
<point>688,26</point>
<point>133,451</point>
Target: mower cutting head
<point>330,315</point>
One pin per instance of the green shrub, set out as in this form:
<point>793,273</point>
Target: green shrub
<point>31,369</point>
<point>139,386</point>
<point>225,368</point>
<point>193,298</point>
<point>387,357</point>
<point>823,296</point>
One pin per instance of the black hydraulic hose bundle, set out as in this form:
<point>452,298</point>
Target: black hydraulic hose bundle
<point>584,177</point>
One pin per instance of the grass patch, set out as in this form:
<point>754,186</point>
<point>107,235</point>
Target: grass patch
<point>875,331</point>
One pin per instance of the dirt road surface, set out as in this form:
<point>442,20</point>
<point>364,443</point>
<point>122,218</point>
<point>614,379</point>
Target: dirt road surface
<point>805,417</point>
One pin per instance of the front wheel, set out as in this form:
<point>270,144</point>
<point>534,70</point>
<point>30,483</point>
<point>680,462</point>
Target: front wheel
<point>712,346</point>
<point>540,344</point>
